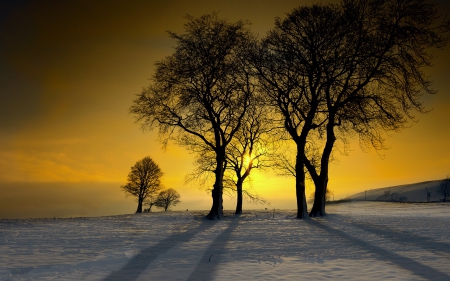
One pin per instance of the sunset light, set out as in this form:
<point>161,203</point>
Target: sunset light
<point>225,140</point>
<point>70,73</point>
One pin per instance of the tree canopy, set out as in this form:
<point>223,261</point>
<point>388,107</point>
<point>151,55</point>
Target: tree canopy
<point>144,180</point>
<point>167,198</point>
<point>201,92</point>
<point>356,68</point>
<point>326,73</point>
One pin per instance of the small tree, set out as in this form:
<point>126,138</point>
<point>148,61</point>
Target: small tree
<point>235,173</point>
<point>249,151</point>
<point>149,203</point>
<point>143,180</point>
<point>444,189</point>
<point>167,198</point>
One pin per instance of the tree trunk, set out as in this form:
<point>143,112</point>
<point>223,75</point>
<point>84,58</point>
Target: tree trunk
<point>321,182</point>
<point>300,183</point>
<point>318,208</point>
<point>239,197</point>
<point>139,208</point>
<point>301,199</point>
<point>216,193</point>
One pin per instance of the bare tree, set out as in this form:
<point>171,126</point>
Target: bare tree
<point>341,70</point>
<point>358,68</point>
<point>167,198</point>
<point>376,78</point>
<point>249,150</point>
<point>290,75</point>
<point>444,189</point>
<point>201,92</point>
<point>149,203</point>
<point>144,180</point>
<point>283,164</point>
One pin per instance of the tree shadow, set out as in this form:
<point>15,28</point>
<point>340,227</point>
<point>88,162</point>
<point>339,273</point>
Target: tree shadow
<point>142,260</point>
<point>409,264</point>
<point>210,261</point>
<point>403,237</point>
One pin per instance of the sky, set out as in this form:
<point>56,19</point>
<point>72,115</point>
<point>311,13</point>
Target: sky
<point>69,71</point>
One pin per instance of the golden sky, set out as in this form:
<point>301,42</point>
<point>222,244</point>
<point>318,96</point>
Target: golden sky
<point>69,71</point>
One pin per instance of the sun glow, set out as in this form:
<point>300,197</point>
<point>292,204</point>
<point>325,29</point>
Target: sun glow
<point>247,160</point>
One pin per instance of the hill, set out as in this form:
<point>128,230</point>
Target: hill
<point>415,192</point>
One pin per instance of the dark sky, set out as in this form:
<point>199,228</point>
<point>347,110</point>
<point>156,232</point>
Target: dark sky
<point>69,71</point>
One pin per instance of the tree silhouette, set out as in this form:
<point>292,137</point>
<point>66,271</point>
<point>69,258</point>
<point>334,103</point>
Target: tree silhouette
<point>143,180</point>
<point>201,92</point>
<point>167,198</point>
<point>333,71</point>
<point>149,202</point>
<point>249,150</point>
<point>372,74</point>
<point>444,189</point>
<point>291,79</point>
<point>328,73</point>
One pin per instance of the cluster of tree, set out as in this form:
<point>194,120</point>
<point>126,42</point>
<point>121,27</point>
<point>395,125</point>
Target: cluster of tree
<point>322,75</point>
<point>144,182</point>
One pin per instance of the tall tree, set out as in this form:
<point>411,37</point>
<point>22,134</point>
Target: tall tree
<point>290,75</point>
<point>372,73</point>
<point>356,67</point>
<point>144,180</point>
<point>201,92</point>
<point>167,198</point>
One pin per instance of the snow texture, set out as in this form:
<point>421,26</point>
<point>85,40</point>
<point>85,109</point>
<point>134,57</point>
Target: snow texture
<point>356,241</point>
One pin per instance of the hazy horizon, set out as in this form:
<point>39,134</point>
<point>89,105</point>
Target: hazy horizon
<point>68,200</point>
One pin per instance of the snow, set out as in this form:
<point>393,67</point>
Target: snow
<point>355,241</point>
<point>415,192</point>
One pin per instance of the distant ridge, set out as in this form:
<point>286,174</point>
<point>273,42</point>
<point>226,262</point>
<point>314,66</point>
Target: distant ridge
<point>414,192</point>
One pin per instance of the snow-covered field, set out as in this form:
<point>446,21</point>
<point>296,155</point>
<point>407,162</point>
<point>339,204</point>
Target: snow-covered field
<point>356,241</point>
<point>414,192</point>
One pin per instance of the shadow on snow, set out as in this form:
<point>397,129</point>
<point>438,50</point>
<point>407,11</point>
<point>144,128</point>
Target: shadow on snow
<point>411,265</point>
<point>145,257</point>
<point>210,261</point>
